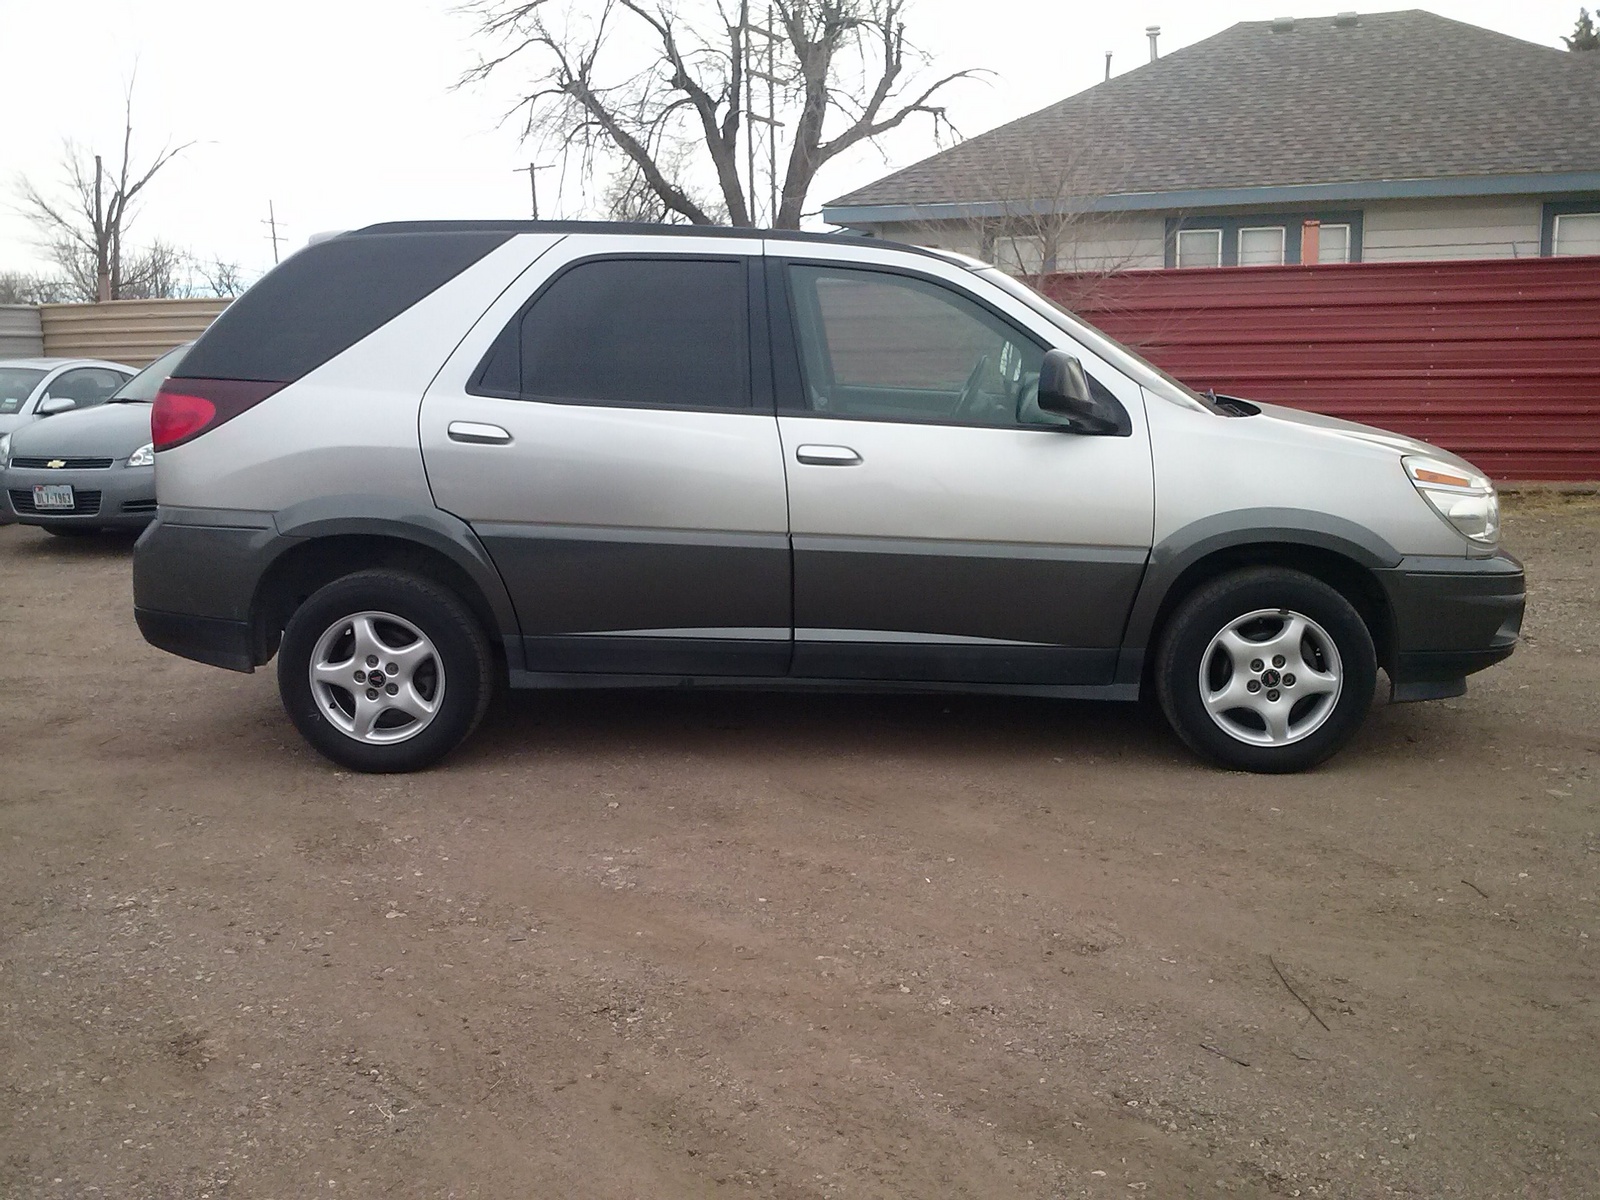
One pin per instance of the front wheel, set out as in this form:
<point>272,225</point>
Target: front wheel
<point>384,671</point>
<point>1266,669</point>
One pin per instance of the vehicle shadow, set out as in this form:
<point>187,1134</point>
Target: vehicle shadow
<point>32,541</point>
<point>829,724</point>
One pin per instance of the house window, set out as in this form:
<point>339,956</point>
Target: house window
<point>1333,244</point>
<point>1261,246</point>
<point>1576,233</point>
<point>1200,248</point>
<point>1266,238</point>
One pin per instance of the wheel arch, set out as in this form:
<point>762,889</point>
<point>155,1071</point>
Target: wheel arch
<point>322,546</point>
<point>1337,552</point>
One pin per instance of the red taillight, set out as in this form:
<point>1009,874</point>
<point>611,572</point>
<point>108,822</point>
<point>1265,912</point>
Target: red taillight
<point>177,416</point>
<point>186,408</point>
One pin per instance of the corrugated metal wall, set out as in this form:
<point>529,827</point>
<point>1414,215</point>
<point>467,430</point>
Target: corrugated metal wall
<point>135,332</point>
<point>1496,360</point>
<point>20,334</point>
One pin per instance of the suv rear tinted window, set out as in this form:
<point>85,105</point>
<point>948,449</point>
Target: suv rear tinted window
<point>664,332</point>
<point>325,299</point>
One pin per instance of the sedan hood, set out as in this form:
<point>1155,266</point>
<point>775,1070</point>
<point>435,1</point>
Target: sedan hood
<point>105,431</point>
<point>1334,427</point>
<point>7,424</point>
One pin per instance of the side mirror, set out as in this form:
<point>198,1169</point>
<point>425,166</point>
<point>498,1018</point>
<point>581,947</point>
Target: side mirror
<point>1065,391</point>
<point>51,405</point>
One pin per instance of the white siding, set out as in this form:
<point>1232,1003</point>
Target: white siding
<point>1467,228</point>
<point>1098,244</point>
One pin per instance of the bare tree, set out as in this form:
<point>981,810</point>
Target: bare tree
<point>842,74</point>
<point>215,277</point>
<point>1035,214</point>
<point>88,227</point>
<point>26,287</point>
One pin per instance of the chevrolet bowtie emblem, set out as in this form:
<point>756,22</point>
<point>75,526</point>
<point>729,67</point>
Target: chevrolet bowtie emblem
<point>55,464</point>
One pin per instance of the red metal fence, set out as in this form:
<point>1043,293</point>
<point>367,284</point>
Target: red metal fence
<point>1497,360</point>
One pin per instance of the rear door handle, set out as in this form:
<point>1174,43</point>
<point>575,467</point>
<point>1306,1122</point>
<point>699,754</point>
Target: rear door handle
<point>478,434</point>
<point>828,456</point>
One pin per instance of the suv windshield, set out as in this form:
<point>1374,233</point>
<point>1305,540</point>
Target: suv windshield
<point>1053,312</point>
<point>16,385</point>
<point>142,388</point>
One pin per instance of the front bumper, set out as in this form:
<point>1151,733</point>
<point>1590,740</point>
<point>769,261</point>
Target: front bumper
<point>1452,616</point>
<point>114,497</point>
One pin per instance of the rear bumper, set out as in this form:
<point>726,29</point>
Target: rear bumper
<point>1452,617</point>
<point>115,497</point>
<point>194,576</point>
<point>213,640</point>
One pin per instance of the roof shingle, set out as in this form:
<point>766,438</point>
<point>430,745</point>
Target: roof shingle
<point>1400,95</point>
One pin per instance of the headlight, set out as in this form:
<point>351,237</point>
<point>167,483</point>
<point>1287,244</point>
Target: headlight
<point>5,451</point>
<point>144,456</point>
<point>1465,499</point>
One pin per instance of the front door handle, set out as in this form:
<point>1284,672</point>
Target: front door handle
<point>828,456</point>
<point>478,434</point>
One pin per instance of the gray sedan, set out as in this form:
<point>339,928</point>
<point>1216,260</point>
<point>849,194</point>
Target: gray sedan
<point>82,471</point>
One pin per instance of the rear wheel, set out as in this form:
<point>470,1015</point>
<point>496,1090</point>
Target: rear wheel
<point>384,671</point>
<point>1266,669</point>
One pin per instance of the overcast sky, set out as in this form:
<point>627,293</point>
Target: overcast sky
<point>342,113</point>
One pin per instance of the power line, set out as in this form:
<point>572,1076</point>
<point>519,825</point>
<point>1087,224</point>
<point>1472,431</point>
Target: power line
<point>272,226</point>
<point>532,170</point>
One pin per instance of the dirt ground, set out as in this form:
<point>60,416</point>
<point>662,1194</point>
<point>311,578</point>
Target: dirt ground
<point>656,945</point>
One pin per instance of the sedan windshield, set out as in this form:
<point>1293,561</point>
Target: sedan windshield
<point>16,385</point>
<point>142,388</point>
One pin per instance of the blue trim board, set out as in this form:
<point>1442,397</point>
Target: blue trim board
<point>1191,198</point>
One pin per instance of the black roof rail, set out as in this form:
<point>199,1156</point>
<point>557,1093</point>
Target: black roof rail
<point>629,227</point>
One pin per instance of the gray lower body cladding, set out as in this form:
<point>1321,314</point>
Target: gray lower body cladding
<point>1452,617</point>
<point>194,582</point>
<point>717,612</point>
<point>642,602</point>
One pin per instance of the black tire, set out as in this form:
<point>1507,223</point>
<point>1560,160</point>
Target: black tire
<point>1215,607</point>
<point>71,531</point>
<point>458,643</point>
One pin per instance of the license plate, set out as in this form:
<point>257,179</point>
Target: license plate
<point>53,495</point>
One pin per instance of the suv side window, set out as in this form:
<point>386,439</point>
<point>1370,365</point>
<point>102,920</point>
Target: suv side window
<point>660,332</point>
<point>89,386</point>
<point>885,346</point>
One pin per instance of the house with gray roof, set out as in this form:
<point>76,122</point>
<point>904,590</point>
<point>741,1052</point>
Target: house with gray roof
<point>1383,136</point>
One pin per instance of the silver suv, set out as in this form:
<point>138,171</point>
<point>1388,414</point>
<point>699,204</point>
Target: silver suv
<point>420,459</point>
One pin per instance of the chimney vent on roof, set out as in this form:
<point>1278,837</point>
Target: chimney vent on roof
<point>1345,20</point>
<point>1108,64</point>
<point>1283,25</point>
<point>1153,32</point>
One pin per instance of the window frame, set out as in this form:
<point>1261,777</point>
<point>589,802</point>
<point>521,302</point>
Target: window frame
<point>788,357</point>
<point>1349,242</point>
<point>1592,210</point>
<point>1291,221</point>
<point>1177,249</point>
<point>1281,229</point>
<point>758,384</point>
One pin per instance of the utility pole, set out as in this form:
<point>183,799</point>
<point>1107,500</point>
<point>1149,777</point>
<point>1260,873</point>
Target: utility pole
<point>102,265</point>
<point>754,61</point>
<point>272,224</point>
<point>533,170</point>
